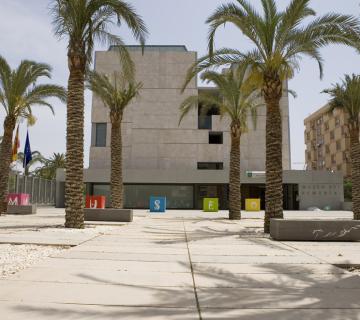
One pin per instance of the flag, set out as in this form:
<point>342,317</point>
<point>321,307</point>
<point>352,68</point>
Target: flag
<point>27,151</point>
<point>16,145</point>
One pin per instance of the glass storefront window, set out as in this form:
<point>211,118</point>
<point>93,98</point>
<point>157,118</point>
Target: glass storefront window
<point>177,196</point>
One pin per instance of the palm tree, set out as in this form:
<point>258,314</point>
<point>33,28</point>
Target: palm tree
<point>279,40</point>
<point>235,100</point>
<point>83,22</point>
<point>50,165</point>
<point>346,96</point>
<point>19,92</point>
<point>36,157</point>
<point>116,93</point>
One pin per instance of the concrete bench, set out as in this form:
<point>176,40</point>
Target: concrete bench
<point>109,215</point>
<point>315,230</point>
<point>22,210</point>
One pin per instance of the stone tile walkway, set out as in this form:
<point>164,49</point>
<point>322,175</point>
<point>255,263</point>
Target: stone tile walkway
<point>187,265</point>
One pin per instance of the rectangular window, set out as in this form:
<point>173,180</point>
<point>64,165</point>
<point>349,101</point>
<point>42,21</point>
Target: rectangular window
<point>205,116</point>
<point>327,149</point>
<point>215,138</point>
<point>204,122</point>
<point>338,145</point>
<point>210,166</point>
<point>333,160</point>
<point>337,121</point>
<point>100,134</point>
<point>332,135</point>
<point>326,126</point>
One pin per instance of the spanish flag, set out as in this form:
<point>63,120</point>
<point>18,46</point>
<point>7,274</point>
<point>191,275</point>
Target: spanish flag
<point>16,145</point>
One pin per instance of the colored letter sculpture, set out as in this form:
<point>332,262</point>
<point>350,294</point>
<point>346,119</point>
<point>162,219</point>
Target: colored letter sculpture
<point>18,199</point>
<point>211,205</point>
<point>252,204</point>
<point>95,202</point>
<point>157,204</point>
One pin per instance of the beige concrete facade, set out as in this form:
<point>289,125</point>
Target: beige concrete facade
<point>327,141</point>
<point>152,138</point>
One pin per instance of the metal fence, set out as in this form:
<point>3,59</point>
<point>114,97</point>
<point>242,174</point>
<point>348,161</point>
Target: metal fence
<point>41,191</point>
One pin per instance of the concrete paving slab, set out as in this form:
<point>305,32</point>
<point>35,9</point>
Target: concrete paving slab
<point>105,276</point>
<point>271,268</point>
<point>41,239</point>
<point>96,294</point>
<point>117,256</point>
<point>243,250</point>
<point>117,265</point>
<point>280,314</point>
<point>279,298</point>
<point>155,249</point>
<point>299,259</point>
<point>139,235</point>
<point>234,239</point>
<point>132,243</point>
<point>312,280</point>
<point>52,311</point>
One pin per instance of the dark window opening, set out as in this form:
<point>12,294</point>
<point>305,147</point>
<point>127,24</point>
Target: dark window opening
<point>215,138</point>
<point>100,135</point>
<point>204,117</point>
<point>210,166</point>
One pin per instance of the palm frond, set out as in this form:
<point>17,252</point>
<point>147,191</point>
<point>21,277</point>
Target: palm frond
<point>86,21</point>
<point>116,90</point>
<point>20,91</point>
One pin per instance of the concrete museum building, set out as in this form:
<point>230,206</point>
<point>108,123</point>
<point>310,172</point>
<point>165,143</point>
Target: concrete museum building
<point>190,161</point>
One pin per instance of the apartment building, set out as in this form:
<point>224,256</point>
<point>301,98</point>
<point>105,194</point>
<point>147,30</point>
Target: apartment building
<point>327,141</point>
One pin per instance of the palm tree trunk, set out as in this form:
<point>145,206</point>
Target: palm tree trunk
<point>5,161</point>
<point>234,177</point>
<point>355,171</point>
<point>274,174</point>
<point>116,166</point>
<point>74,185</point>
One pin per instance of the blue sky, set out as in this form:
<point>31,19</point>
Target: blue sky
<point>26,33</point>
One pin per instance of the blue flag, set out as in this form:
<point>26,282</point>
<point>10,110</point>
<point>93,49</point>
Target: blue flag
<point>27,151</point>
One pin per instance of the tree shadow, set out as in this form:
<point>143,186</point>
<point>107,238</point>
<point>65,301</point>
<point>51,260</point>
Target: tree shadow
<point>269,291</point>
<point>232,296</point>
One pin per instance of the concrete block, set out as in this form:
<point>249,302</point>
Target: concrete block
<point>109,215</point>
<point>315,230</point>
<point>22,210</point>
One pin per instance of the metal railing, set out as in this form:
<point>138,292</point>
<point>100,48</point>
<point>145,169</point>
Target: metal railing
<point>41,191</point>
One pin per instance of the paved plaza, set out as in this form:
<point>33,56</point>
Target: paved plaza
<point>179,265</point>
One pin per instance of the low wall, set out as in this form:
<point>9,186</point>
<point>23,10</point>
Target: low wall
<point>109,215</point>
<point>22,210</point>
<point>315,230</point>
